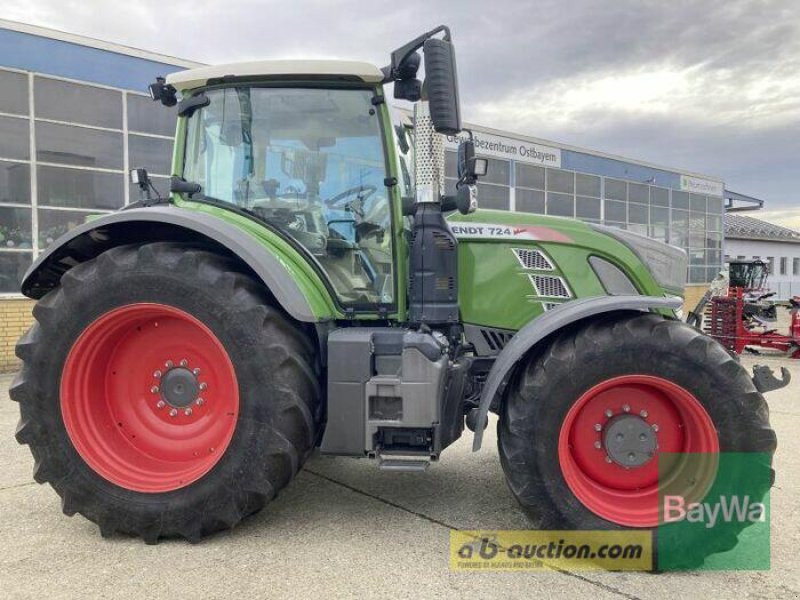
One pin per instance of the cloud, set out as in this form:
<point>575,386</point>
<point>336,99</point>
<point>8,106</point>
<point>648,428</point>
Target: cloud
<point>712,86</point>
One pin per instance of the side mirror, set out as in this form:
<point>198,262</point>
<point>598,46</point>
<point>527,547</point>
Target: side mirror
<point>470,167</point>
<point>441,83</point>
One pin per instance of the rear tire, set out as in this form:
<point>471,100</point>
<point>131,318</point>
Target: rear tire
<point>661,371</point>
<point>103,433</point>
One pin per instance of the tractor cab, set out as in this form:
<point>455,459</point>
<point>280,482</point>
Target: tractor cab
<point>748,274</point>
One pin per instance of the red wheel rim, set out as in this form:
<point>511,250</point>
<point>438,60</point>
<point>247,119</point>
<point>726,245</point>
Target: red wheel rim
<point>629,495</point>
<point>124,425</point>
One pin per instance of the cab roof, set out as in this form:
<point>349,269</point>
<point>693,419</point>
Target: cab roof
<point>194,78</point>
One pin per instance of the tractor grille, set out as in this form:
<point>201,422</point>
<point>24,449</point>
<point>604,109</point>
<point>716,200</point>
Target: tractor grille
<point>533,259</point>
<point>550,286</point>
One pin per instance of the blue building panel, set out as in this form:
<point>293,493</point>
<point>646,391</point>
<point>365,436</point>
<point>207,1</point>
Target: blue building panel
<point>609,167</point>
<point>73,61</point>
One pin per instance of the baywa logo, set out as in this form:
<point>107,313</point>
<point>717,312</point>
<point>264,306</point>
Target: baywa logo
<point>714,513</point>
<point>729,509</point>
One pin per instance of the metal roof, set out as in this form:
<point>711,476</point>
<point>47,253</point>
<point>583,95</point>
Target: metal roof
<point>186,80</point>
<point>740,227</point>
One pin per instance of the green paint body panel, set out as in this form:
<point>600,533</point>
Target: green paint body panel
<point>313,288</point>
<point>494,287</point>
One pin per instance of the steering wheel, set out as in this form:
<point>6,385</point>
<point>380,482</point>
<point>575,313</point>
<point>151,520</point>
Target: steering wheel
<point>338,201</point>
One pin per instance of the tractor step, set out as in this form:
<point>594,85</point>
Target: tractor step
<point>397,462</point>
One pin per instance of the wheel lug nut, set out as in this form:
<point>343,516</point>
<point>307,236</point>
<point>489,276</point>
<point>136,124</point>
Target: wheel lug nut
<point>626,408</point>
<point>184,362</point>
<point>154,389</point>
<point>196,371</point>
<point>608,459</point>
<point>598,445</point>
<point>598,427</point>
<point>169,364</point>
<point>173,412</point>
<point>161,404</point>
<point>188,412</point>
<point>609,414</point>
<point>643,414</point>
<point>157,374</point>
<point>655,427</point>
<point>199,402</point>
<point>203,385</point>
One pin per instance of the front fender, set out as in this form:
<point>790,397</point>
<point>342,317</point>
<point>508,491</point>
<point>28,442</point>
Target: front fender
<point>298,292</point>
<point>549,323</point>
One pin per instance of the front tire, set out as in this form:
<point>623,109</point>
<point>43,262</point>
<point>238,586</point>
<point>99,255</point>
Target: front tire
<point>673,388</point>
<point>164,394</point>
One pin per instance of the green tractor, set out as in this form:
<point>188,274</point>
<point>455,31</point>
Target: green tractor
<point>308,284</point>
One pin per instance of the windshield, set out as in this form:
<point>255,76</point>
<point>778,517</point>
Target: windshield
<point>311,163</point>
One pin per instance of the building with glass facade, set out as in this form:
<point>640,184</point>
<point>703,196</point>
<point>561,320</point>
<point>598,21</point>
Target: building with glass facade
<point>74,117</point>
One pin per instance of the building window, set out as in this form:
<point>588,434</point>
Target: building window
<point>587,185</point>
<point>616,189</point>
<point>14,138</point>
<point>796,266</point>
<point>78,146</point>
<point>80,188</point>
<point>783,264</point>
<point>560,205</point>
<point>77,103</point>
<point>529,200</point>
<point>14,99</point>
<point>153,154</point>
<point>529,176</point>
<point>659,223</point>
<point>659,196</point>
<point>15,228</point>
<point>680,200</point>
<point>499,172</point>
<point>588,208</point>
<point>615,212</point>
<point>15,183</point>
<point>771,265</point>
<point>146,116</point>
<point>12,267</point>
<point>494,196</point>
<point>638,192</point>
<point>560,181</point>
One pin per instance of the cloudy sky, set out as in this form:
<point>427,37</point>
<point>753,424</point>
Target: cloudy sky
<point>712,86</point>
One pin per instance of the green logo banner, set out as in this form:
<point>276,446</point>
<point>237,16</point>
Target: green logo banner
<point>714,512</point>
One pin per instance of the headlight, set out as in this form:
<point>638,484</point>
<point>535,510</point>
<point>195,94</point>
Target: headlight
<point>666,263</point>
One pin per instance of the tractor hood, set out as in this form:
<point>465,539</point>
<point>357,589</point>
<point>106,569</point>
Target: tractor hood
<point>514,266</point>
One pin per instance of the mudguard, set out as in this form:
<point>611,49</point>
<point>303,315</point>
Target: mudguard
<point>159,223</point>
<point>541,327</point>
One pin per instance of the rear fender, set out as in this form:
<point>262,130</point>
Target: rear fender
<point>300,294</point>
<point>536,331</point>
